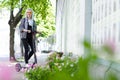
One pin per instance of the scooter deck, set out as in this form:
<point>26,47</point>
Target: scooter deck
<point>18,67</point>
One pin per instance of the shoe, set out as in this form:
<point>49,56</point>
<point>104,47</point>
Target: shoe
<point>27,65</point>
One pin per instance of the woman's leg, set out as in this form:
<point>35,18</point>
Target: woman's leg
<point>26,47</point>
<point>32,48</point>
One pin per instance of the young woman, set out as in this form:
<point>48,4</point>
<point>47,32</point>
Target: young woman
<point>27,34</point>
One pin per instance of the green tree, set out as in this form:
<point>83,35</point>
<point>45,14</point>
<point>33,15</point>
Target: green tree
<point>40,8</point>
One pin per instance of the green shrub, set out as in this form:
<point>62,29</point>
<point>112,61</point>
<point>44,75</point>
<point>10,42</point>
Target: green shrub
<point>38,73</point>
<point>70,68</point>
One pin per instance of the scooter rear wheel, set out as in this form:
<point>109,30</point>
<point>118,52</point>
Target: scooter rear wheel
<point>18,67</point>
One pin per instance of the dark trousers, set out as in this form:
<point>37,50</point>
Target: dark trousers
<point>29,48</point>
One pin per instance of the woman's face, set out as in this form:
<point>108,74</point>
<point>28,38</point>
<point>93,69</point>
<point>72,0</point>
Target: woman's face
<point>29,14</point>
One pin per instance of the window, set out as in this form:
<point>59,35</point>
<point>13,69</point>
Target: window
<point>114,32</point>
<point>102,11</point>
<point>96,16</point>
<point>119,31</point>
<point>93,19</point>
<point>119,3</point>
<point>114,6</point>
<point>99,13</point>
<point>105,9</point>
<point>110,7</point>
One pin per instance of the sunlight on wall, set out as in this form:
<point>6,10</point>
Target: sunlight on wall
<point>4,33</point>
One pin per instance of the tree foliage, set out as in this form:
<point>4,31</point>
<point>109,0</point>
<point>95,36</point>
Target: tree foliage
<point>47,26</point>
<point>42,12</point>
<point>39,6</point>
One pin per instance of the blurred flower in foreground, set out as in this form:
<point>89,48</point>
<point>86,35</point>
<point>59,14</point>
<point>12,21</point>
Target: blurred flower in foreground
<point>109,47</point>
<point>6,72</point>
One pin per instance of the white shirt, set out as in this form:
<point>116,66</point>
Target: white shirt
<point>30,21</point>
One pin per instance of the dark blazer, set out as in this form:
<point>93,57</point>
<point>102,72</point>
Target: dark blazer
<point>23,35</point>
<point>24,25</point>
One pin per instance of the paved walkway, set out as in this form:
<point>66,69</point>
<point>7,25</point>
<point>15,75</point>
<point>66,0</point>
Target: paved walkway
<point>7,69</point>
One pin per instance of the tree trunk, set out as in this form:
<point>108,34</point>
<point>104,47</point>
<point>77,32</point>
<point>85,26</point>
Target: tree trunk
<point>12,31</point>
<point>13,23</point>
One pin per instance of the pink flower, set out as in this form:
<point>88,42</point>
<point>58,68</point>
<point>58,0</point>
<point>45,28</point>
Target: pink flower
<point>6,72</point>
<point>110,46</point>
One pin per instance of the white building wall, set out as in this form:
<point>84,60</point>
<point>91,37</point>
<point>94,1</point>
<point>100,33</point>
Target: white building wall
<point>76,20</point>
<point>106,22</point>
<point>59,12</point>
<point>70,25</point>
<point>4,33</point>
<point>75,26</point>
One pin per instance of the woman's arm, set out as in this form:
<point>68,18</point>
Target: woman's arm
<point>22,26</point>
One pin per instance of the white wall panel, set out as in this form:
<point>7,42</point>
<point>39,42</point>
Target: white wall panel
<point>70,30</point>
